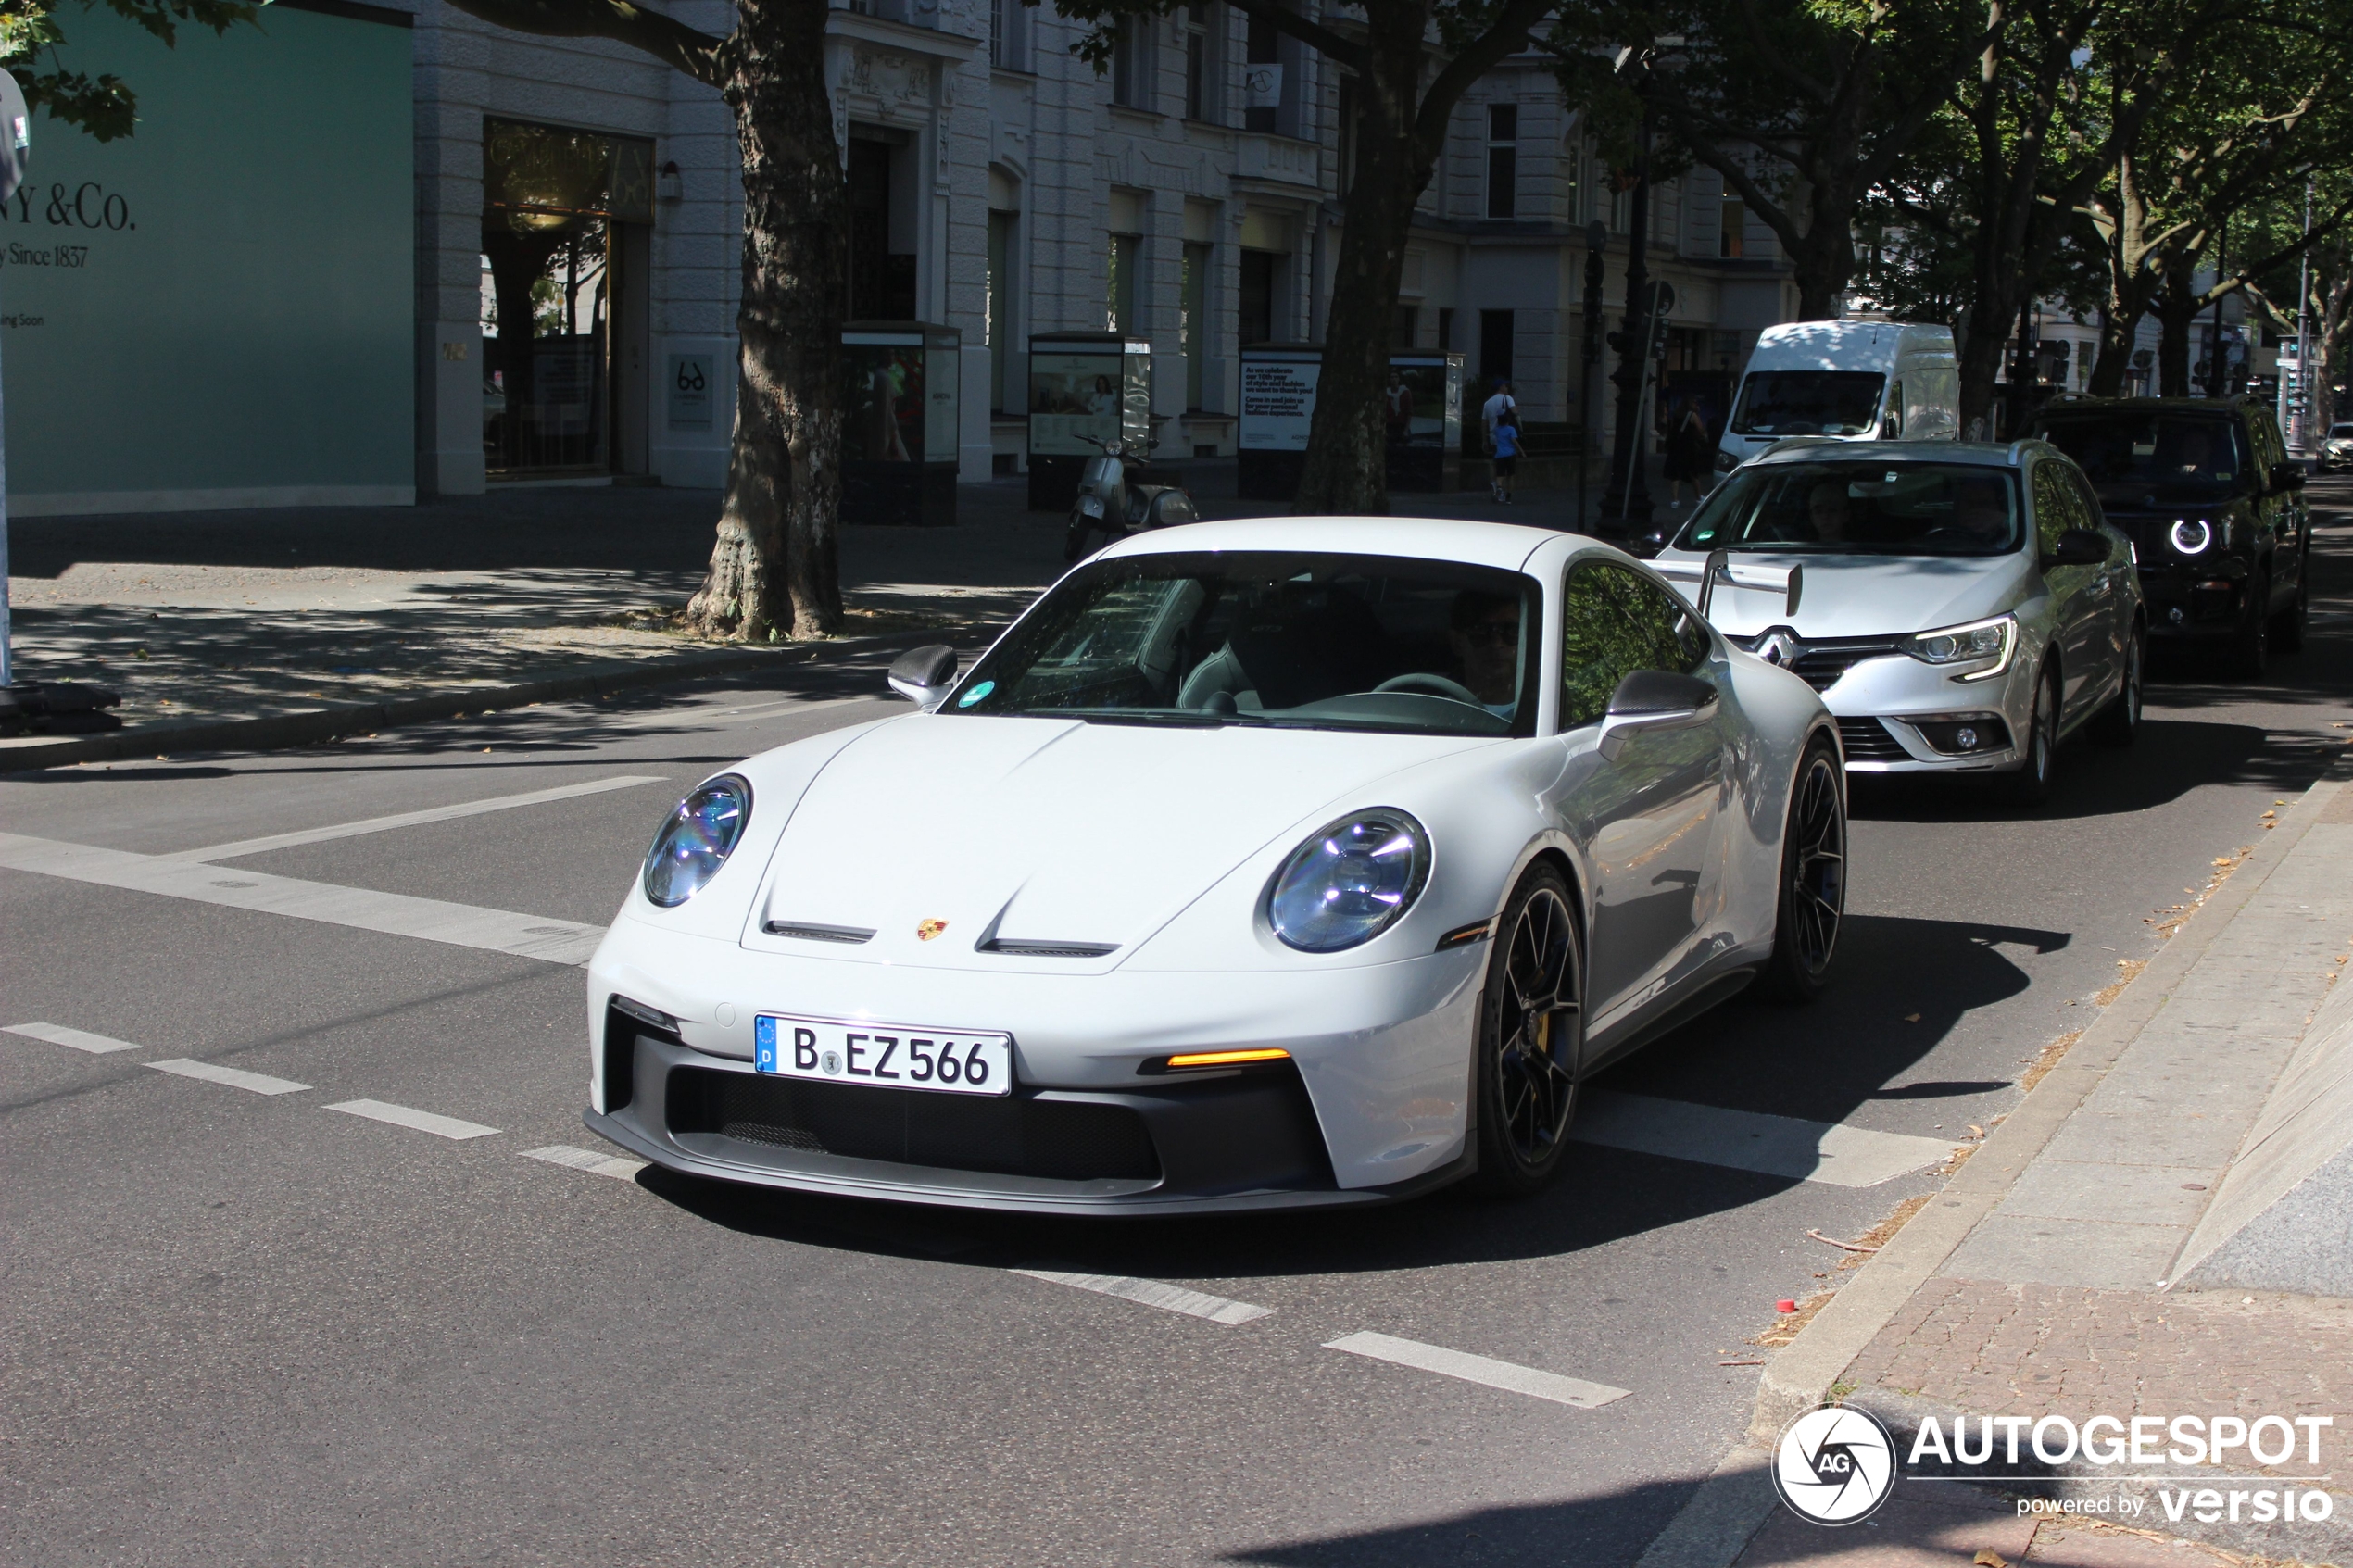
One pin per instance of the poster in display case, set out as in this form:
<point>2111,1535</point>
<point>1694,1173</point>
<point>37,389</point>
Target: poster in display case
<point>899,433</point>
<point>1422,421</point>
<point>1086,390</point>
<point>1278,404</point>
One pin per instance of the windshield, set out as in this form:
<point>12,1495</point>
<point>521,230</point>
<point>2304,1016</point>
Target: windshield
<point>1272,638</point>
<point>2338,432</point>
<point>2137,446</point>
<point>1860,508</point>
<point>1808,403</point>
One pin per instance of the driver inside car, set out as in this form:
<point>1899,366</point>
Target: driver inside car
<point>1485,632</point>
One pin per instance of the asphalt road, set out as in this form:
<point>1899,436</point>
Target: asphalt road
<point>240,1327</point>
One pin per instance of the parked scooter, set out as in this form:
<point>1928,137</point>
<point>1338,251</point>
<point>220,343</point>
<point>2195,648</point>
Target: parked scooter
<point>1109,505</point>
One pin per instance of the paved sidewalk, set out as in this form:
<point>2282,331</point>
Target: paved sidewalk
<point>2059,1298</point>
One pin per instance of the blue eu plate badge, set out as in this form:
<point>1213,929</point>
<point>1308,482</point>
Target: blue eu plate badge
<point>764,1045</point>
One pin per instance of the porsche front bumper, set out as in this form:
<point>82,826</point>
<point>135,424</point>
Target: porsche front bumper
<point>1370,1106</point>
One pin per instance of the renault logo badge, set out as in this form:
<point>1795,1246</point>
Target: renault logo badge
<point>1779,648</point>
<point>927,929</point>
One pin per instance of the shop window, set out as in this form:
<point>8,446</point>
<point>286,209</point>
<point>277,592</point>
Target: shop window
<point>1403,324</point>
<point>1257,312</point>
<point>1192,323</point>
<point>1728,245</point>
<point>882,247</point>
<point>1494,348</point>
<point>1004,388</point>
<point>556,278</point>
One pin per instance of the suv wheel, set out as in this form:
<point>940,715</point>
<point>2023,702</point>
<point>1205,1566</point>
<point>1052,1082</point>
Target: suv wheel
<point>2251,653</point>
<point>2289,631</point>
<point>2120,722</point>
<point>2031,785</point>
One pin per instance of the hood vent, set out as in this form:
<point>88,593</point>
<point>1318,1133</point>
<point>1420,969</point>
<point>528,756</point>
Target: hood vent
<point>808,931</point>
<point>1015,948</point>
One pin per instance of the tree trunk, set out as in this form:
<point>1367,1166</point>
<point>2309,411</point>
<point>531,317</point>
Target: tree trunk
<point>776,569</point>
<point>1346,471</point>
<point>2328,342</point>
<point>1985,339</point>
<point>2176,313</point>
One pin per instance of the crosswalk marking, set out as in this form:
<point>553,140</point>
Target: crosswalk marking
<point>1506,1375</point>
<point>235,1077</point>
<point>394,914</point>
<point>58,1034</point>
<point>413,818</point>
<point>1152,1293</point>
<point>586,1159</point>
<point>1830,1152</point>
<point>421,1120</point>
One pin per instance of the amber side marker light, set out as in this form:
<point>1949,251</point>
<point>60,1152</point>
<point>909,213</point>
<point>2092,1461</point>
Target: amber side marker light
<point>1229,1059</point>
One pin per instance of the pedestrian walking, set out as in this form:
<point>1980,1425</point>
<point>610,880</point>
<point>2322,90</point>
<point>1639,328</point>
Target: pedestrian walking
<point>1689,452</point>
<point>1506,455</point>
<point>1494,407</point>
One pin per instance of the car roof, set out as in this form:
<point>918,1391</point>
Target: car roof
<point>1977,454</point>
<point>2151,405</point>
<point>1505,544</point>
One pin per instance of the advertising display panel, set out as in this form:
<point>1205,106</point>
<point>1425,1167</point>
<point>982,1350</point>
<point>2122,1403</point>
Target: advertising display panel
<point>1085,391</point>
<point>899,434</point>
<point>1422,421</point>
<point>1278,405</point>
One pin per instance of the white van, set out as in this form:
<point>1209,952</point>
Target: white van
<point>1856,381</point>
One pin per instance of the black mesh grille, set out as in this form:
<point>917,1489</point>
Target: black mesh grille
<point>1867,740</point>
<point>1012,1135</point>
<point>1822,668</point>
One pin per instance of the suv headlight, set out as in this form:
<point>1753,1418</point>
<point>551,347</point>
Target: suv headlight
<point>1350,881</point>
<point>1968,644</point>
<point>697,840</point>
<point>2191,536</point>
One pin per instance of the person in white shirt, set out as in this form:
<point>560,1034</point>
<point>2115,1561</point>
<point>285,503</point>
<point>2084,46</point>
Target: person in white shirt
<point>1492,411</point>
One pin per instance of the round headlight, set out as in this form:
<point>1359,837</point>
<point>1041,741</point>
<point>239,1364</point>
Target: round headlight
<point>1348,882</point>
<point>2192,536</point>
<point>695,842</point>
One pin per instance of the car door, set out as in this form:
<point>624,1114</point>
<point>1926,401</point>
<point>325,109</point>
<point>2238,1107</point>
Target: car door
<point>2119,579</point>
<point>2076,594</point>
<point>1648,818</point>
<point>2279,512</point>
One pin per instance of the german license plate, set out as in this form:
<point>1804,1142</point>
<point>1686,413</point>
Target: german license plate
<point>884,1054</point>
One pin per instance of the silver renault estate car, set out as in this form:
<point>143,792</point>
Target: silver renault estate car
<point>1962,607</point>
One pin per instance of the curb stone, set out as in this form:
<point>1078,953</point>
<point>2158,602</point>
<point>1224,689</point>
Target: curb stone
<point>600,678</point>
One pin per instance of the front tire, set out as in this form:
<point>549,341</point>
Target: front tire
<point>2120,722</point>
<point>1531,1024</point>
<point>2289,632</point>
<point>1813,887</point>
<point>2031,785</point>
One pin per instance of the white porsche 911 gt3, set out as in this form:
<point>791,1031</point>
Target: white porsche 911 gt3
<point>1267,864</point>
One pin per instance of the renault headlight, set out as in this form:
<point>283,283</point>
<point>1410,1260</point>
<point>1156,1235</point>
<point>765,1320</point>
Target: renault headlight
<point>697,839</point>
<point>2191,536</point>
<point>1348,882</point>
<point>1973,643</point>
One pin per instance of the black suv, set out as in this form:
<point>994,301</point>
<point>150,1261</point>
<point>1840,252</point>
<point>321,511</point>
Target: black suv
<point>2215,508</point>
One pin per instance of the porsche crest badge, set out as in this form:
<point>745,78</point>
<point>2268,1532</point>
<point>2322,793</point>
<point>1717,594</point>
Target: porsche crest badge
<point>927,929</point>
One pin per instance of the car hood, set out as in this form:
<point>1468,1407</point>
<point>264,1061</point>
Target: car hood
<point>1047,831</point>
<point>1860,596</point>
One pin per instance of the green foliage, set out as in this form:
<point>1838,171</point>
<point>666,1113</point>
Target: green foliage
<point>102,105</point>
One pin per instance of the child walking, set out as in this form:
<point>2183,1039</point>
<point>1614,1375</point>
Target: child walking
<point>1506,455</point>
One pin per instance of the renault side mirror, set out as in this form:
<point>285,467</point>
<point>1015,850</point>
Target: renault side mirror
<point>923,675</point>
<point>2078,546</point>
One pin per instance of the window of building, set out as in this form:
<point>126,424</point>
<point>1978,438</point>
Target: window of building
<point>1255,306</point>
<point>998,324</point>
<point>1264,46</point>
<point>1192,323</point>
<point>1445,328</point>
<point>1502,160</point>
<point>1403,324</point>
<point>1119,305</point>
<point>1008,34</point>
<point>1204,84</point>
<point>1131,65</point>
<point>1735,228</point>
<point>1494,346</point>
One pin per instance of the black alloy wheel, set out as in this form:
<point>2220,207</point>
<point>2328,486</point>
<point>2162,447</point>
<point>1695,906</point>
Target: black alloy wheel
<point>2120,722</point>
<point>2289,632</point>
<point>1532,1023</point>
<point>1813,891</point>
<point>2251,652</point>
<point>2031,785</point>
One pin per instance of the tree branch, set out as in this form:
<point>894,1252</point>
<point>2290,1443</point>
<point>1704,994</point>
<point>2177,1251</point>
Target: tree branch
<point>674,43</point>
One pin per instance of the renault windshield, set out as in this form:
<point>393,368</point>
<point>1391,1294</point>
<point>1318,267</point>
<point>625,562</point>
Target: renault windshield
<point>1860,508</point>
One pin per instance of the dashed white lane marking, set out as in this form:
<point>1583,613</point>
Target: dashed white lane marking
<point>1505,1376</point>
<point>413,818</point>
<point>586,1159</point>
<point>1831,1152</point>
<point>422,1120</point>
<point>396,914</point>
<point>58,1034</point>
<point>235,1077</point>
<point>1152,1293</point>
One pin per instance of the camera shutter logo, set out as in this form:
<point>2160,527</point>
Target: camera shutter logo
<point>1834,1465</point>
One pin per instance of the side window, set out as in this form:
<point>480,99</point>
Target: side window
<point>2087,501</point>
<point>1614,623</point>
<point>2054,506</point>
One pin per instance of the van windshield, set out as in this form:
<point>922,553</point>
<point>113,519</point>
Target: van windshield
<point>1860,508</point>
<point>1808,403</point>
